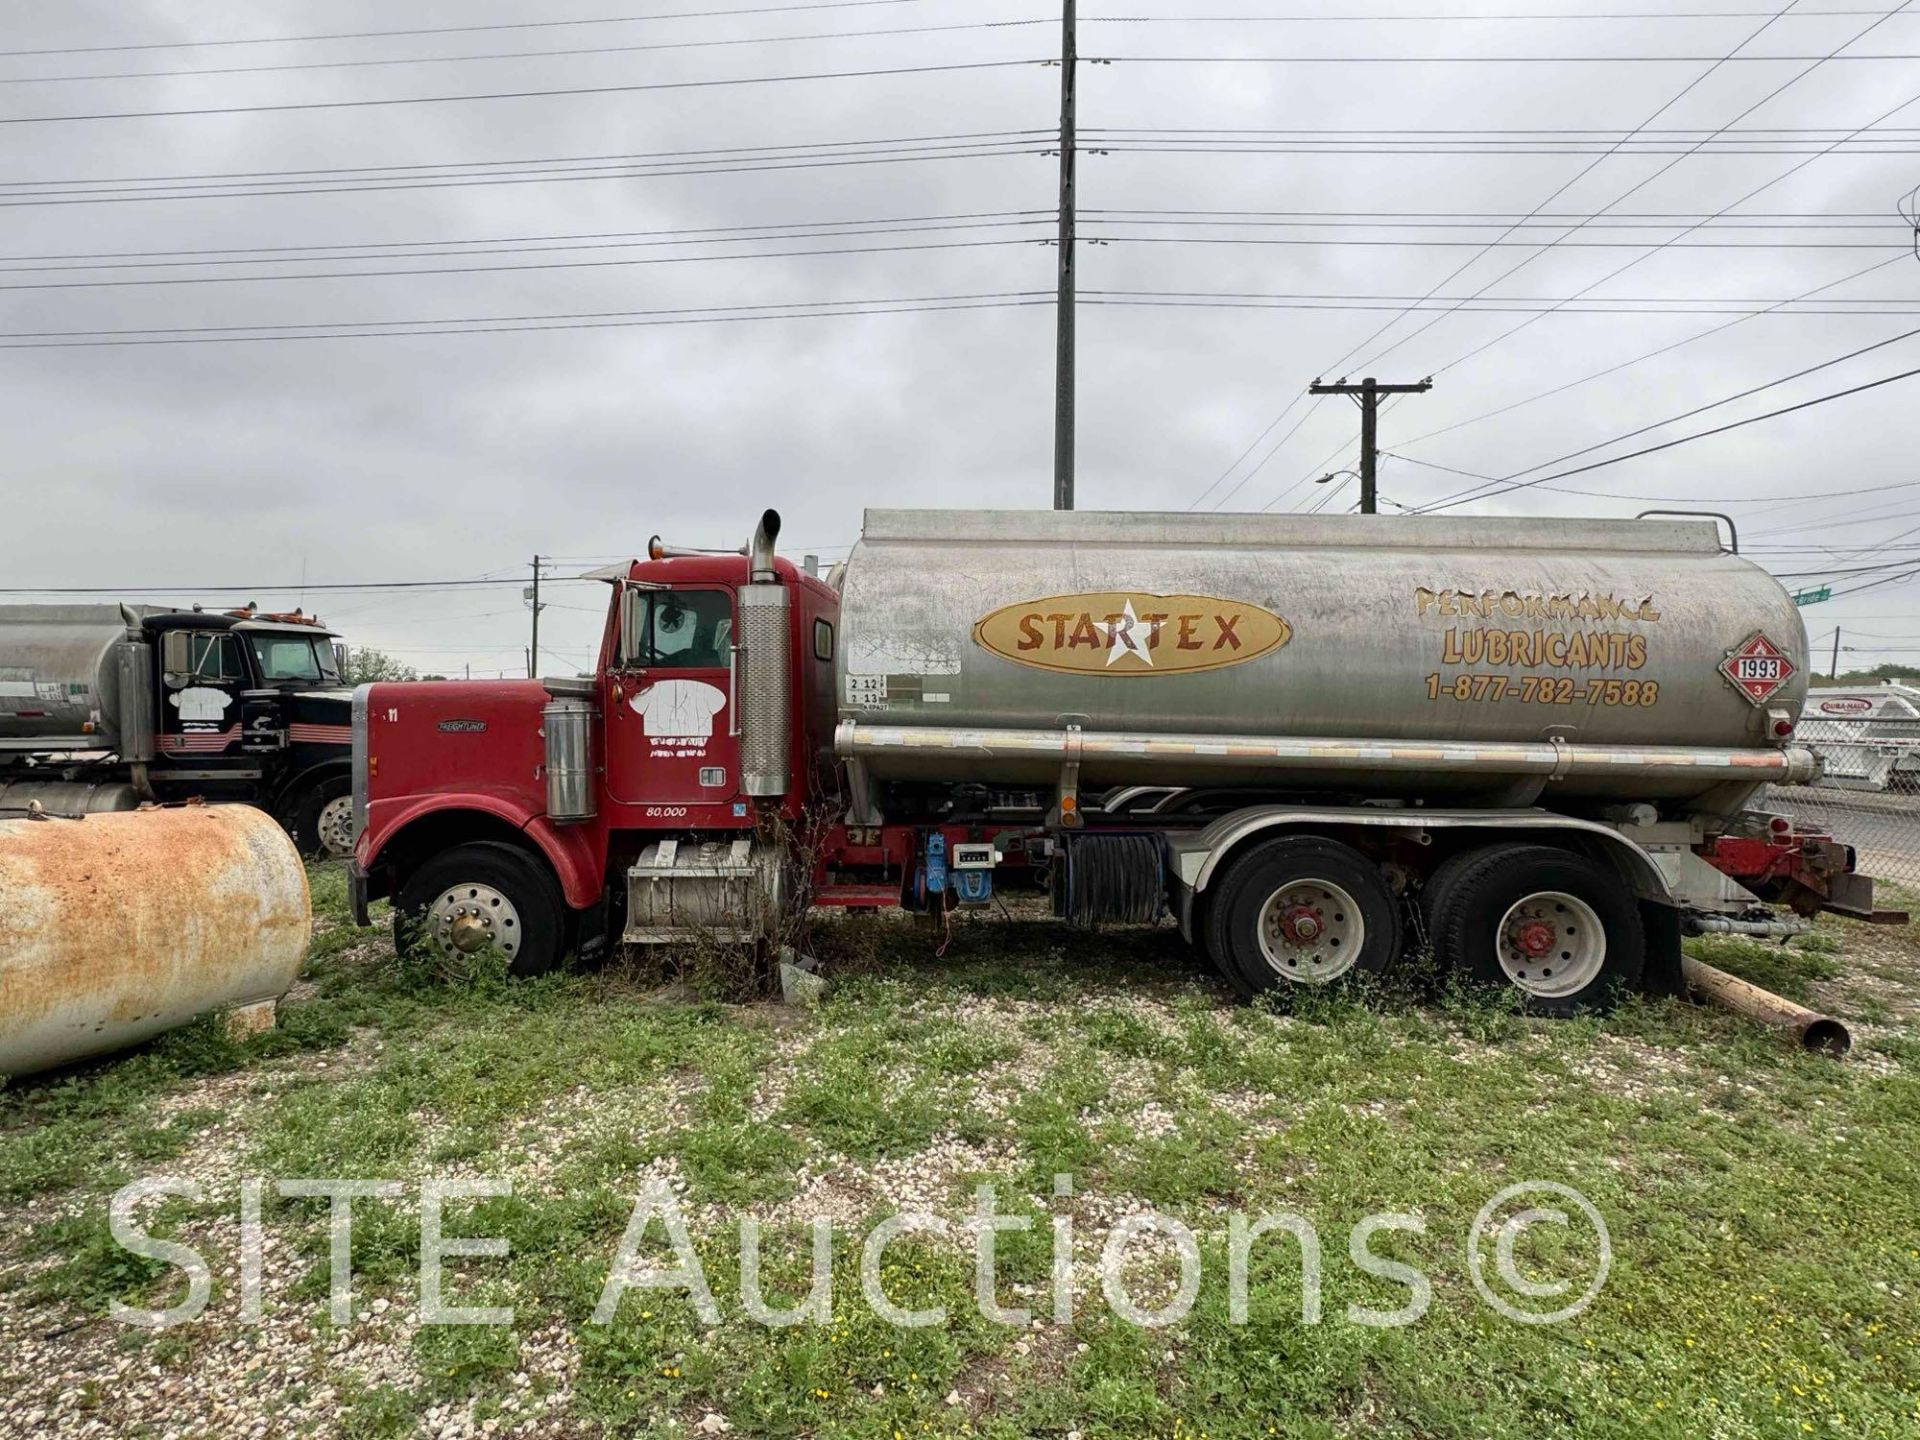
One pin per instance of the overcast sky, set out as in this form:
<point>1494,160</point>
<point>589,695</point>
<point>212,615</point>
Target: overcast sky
<point>430,457</point>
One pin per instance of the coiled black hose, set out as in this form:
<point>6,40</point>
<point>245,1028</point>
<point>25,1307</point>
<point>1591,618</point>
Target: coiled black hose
<point>1109,879</point>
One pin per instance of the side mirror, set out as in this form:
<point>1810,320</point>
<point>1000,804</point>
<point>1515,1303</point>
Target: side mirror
<point>633,619</point>
<point>173,654</point>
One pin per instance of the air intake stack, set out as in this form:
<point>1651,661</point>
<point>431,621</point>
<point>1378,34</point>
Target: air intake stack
<point>765,667</point>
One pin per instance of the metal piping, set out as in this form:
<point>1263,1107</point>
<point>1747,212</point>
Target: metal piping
<point>1784,929</point>
<point>1556,758</point>
<point>760,548</point>
<point>1813,1030</point>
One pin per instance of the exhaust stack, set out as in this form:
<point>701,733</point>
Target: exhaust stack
<point>762,661</point>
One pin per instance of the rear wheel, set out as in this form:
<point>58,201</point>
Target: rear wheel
<point>1558,927</point>
<point>1301,911</point>
<point>1433,893</point>
<point>481,896</point>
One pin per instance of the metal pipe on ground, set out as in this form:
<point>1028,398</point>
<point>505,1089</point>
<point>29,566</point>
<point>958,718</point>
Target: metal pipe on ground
<point>1813,1030</point>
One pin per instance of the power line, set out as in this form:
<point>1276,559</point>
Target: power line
<point>1666,497</point>
<point>706,153</point>
<point>1478,59</point>
<point>1655,353</point>
<point>1682,440</point>
<point>1689,414</point>
<point>1431,244</point>
<point>1750,194</point>
<point>951,68</point>
<point>1353,353</point>
<point>1177,299</point>
<point>523,54</point>
<point>253,589</point>
<point>1497,304</point>
<point>716,234</point>
<point>1647,180</point>
<point>506,324</point>
<point>1349,18</point>
<point>539,265</point>
<point>743,164</point>
<point>456,29</point>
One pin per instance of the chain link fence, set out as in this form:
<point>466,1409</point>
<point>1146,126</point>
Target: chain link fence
<point>1868,794</point>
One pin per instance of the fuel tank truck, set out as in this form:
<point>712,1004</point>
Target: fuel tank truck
<point>1474,657</point>
<point>1537,747</point>
<point>103,707</point>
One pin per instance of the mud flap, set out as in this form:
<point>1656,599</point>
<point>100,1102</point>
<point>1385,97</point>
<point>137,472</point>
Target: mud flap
<point>1662,973</point>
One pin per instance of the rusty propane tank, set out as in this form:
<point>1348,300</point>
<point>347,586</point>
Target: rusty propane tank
<point>118,926</point>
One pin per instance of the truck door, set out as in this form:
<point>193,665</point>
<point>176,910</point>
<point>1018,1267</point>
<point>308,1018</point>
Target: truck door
<point>202,673</point>
<point>672,733</point>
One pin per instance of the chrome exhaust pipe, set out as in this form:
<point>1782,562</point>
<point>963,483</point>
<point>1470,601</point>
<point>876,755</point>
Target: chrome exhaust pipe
<point>762,660</point>
<point>760,548</point>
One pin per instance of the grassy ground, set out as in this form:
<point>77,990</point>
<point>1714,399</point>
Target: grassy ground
<point>1764,1205</point>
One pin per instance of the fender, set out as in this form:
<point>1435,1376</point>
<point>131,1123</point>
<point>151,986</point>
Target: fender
<point>325,770</point>
<point>1196,859</point>
<point>571,853</point>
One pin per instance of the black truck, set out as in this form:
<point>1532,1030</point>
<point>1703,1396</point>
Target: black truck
<point>103,707</point>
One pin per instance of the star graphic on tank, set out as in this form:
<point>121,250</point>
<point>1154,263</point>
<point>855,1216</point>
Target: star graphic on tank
<point>1120,637</point>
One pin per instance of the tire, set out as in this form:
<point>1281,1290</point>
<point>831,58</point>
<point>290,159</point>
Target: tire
<point>1303,881</point>
<point>504,896</point>
<point>1433,892</point>
<point>1562,929</point>
<point>323,819</point>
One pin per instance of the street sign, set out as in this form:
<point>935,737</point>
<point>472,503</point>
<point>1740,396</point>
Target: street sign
<point>1814,596</point>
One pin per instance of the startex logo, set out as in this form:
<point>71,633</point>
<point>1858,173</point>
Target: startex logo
<point>1130,632</point>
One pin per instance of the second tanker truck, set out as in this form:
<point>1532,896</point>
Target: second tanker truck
<point>103,707</point>
<point>1312,741</point>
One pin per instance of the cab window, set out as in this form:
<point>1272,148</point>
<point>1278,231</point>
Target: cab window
<point>203,655</point>
<point>293,657</point>
<point>681,629</point>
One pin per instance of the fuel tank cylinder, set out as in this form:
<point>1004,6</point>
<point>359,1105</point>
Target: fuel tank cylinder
<point>115,927</point>
<point>1430,655</point>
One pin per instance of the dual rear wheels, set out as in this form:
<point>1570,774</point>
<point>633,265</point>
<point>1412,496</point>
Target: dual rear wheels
<point>1558,927</point>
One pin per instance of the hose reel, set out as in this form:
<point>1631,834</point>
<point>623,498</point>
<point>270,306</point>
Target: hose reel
<point>1109,879</point>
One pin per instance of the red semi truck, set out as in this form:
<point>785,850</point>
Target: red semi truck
<point>1312,741</point>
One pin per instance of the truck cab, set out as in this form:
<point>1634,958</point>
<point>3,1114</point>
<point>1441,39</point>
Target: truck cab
<point>115,704</point>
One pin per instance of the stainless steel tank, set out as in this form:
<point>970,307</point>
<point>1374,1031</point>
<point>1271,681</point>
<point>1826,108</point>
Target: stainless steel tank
<point>116,927</point>
<point>62,673</point>
<point>1399,655</point>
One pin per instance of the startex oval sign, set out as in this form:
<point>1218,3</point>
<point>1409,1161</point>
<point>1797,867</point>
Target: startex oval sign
<point>1129,632</point>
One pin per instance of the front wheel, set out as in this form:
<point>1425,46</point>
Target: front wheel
<point>484,896</point>
<point>323,820</point>
<point>1558,927</point>
<point>1301,911</point>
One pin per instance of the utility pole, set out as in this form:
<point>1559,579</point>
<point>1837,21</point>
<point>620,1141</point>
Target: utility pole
<point>1367,394</point>
<point>533,651</point>
<point>1833,670</point>
<point>1063,305</point>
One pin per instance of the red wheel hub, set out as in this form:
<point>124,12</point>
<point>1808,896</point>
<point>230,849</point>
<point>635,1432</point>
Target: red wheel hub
<point>1534,938</point>
<point>1300,925</point>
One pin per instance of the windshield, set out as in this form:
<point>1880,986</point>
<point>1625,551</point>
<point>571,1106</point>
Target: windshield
<point>294,657</point>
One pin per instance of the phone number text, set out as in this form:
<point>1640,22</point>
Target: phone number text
<point>1542,690</point>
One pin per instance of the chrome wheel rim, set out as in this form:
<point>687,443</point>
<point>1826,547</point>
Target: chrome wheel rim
<point>334,827</point>
<point>1551,944</point>
<point>1311,932</point>
<point>472,917</point>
